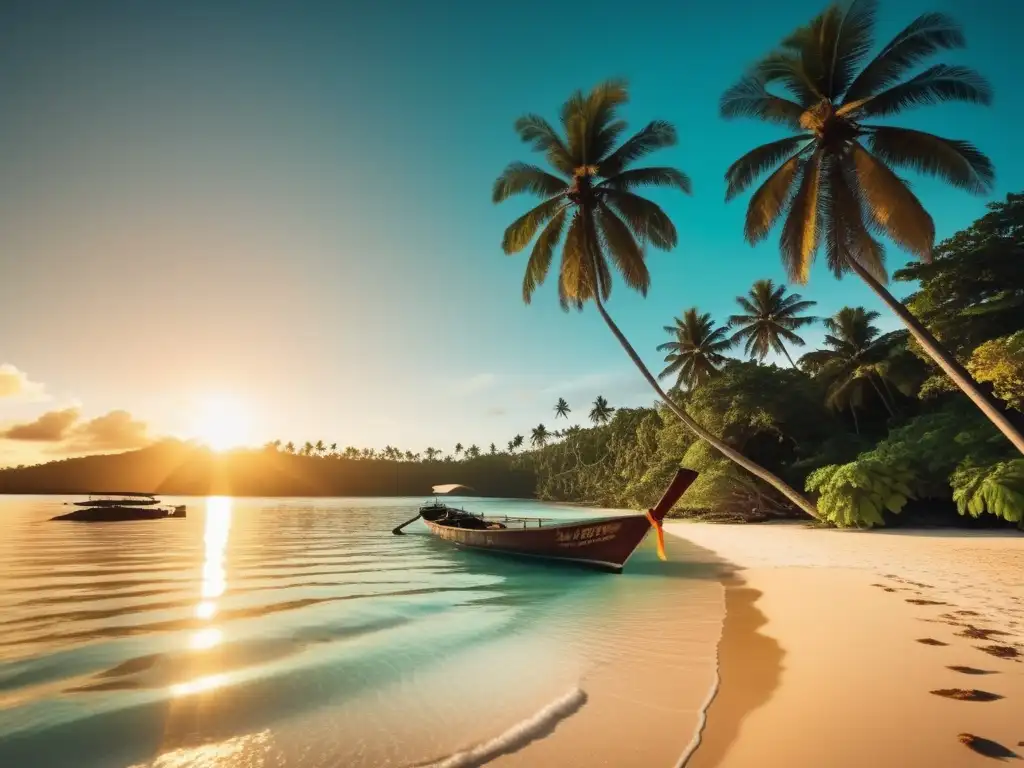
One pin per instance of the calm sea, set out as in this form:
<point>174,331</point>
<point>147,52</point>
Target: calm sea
<point>269,632</point>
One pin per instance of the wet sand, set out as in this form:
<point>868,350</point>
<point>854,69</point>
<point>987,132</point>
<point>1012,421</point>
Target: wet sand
<point>852,649</point>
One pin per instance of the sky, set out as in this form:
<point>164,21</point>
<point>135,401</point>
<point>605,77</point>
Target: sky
<point>276,217</point>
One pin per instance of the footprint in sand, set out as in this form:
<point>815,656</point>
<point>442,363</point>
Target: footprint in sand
<point>1000,651</point>
<point>987,747</point>
<point>930,641</point>
<point>967,694</point>
<point>977,633</point>
<point>972,670</point>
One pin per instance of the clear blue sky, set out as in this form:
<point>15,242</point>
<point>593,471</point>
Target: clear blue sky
<point>289,203</point>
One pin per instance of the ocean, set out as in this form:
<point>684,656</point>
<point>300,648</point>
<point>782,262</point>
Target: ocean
<point>300,632</point>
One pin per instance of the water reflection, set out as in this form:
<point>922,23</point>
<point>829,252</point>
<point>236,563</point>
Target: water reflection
<point>215,540</point>
<point>199,685</point>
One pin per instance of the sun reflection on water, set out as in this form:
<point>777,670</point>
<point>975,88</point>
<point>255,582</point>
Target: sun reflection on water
<point>199,685</point>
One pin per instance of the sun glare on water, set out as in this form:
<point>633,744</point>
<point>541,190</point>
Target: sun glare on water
<point>222,423</point>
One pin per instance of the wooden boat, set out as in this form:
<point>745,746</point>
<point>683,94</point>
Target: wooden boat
<point>605,543</point>
<point>119,506</point>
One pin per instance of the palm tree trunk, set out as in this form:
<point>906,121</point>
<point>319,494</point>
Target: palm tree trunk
<point>786,353</point>
<point>856,425</point>
<point>722,447</point>
<point>945,361</point>
<point>881,395</point>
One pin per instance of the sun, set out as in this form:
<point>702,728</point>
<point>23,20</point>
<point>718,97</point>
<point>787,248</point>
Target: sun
<point>221,422</point>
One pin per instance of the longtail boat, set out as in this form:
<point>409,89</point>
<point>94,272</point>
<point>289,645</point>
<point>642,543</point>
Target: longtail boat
<point>118,506</point>
<point>605,543</point>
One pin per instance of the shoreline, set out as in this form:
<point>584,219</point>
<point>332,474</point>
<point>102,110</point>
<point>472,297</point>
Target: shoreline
<point>821,660</point>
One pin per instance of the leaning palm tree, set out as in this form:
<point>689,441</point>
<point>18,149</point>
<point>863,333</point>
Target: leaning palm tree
<point>837,180</point>
<point>769,319</point>
<point>853,361</point>
<point>562,408</point>
<point>697,349</point>
<point>539,436</point>
<point>590,197</point>
<point>601,411</point>
<point>517,441</point>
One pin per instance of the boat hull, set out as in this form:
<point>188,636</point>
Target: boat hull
<point>605,543</point>
<point>121,514</point>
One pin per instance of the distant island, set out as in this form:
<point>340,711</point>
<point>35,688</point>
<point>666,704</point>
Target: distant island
<point>177,468</point>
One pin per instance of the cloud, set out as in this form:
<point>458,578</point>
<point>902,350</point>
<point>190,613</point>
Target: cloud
<point>116,430</point>
<point>51,427</point>
<point>16,384</point>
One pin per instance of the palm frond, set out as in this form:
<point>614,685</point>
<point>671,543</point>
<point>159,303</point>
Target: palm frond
<point>624,250</point>
<point>523,177</point>
<point>892,205</point>
<point>599,113</point>
<point>800,232</point>
<point>924,36</point>
<point>958,162</point>
<point>846,236</point>
<point>749,98</point>
<point>649,177</point>
<point>848,46</point>
<point>770,198</point>
<point>646,219</point>
<point>536,131</point>
<point>540,259</point>
<point>787,69</point>
<point>655,135</point>
<point>569,274</point>
<point>937,84</point>
<point>748,168</point>
<point>521,231</point>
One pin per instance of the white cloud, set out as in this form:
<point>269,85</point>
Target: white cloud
<point>15,384</point>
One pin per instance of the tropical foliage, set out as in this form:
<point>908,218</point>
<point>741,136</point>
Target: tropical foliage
<point>836,181</point>
<point>697,348</point>
<point>769,319</point>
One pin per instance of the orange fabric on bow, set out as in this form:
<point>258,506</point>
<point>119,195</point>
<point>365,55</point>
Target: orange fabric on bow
<point>656,524</point>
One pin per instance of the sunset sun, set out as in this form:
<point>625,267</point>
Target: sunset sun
<point>221,422</point>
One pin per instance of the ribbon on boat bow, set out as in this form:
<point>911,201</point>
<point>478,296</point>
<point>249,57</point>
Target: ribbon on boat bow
<point>682,480</point>
<point>656,525</point>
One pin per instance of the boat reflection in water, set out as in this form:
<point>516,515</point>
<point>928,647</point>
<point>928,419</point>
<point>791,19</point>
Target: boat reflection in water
<point>119,506</point>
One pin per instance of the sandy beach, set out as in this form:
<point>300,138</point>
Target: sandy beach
<point>850,649</point>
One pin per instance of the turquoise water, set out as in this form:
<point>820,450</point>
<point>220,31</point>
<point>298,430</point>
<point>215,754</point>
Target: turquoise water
<point>261,632</point>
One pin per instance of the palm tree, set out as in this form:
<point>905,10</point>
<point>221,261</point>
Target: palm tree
<point>601,411</point>
<point>334,448</point>
<point>770,318</point>
<point>511,446</point>
<point>593,189</point>
<point>562,408</point>
<point>854,358</point>
<point>431,452</point>
<point>696,351</point>
<point>289,447</point>
<point>458,448</point>
<point>494,449</point>
<point>351,452</point>
<point>539,436</point>
<point>517,441</point>
<point>319,447</point>
<point>307,448</point>
<point>834,188</point>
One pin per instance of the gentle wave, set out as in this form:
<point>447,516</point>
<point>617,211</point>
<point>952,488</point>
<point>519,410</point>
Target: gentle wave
<point>540,724</point>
